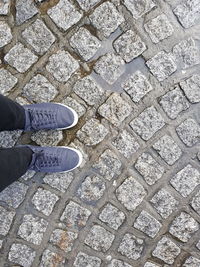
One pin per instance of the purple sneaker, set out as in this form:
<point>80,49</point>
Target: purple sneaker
<point>54,159</point>
<point>49,116</point>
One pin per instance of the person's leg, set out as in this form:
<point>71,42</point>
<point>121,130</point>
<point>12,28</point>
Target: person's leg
<point>12,115</point>
<point>14,162</point>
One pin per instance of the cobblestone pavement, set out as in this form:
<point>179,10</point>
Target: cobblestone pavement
<point>131,70</point>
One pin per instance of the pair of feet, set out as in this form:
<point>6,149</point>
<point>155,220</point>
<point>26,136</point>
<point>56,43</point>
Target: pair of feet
<point>50,116</point>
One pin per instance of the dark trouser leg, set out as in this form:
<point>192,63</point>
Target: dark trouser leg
<point>14,162</point>
<point>12,114</point>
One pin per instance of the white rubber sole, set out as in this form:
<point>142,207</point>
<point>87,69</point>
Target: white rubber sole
<point>75,117</point>
<point>80,158</point>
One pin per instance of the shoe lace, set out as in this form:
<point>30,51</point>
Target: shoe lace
<point>42,160</point>
<point>41,117</point>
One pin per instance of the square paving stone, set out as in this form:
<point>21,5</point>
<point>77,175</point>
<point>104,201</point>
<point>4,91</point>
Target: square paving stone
<point>20,58</point>
<point>147,123</point>
<point>108,165</point>
<point>80,108</point>
<point>147,224</point>
<point>64,14</point>
<point>187,53</point>
<point>191,262</point>
<point>164,203</point>
<point>62,65</point>
<point>112,216</point>
<point>83,259</point>
<point>110,67</point>
<point>28,175</point>
<point>159,28</point>
<point>47,138</point>
<point>9,138</point>
<point>7,81</point>
<point>32,229</point>
<point>44,201</point>
<point>186,180</point>
<point>91,189</point>
<point>115,109</point>
<point>168,149</point>
<point>130,193</point>
<point>14,194</point>
<point>174,102</point>
<point>183,227</point>
<point>129,45</point>
<point>188,13</point>
<point>39,36</point>
<point>106,18</point>
<point>195,202</point>
<point>162,65</point>
<point>59,181</point>
<point>39,90</point>
<point>85,43</point>
<point>63,239</point>
<point>99,238</point>
<point>21,254</point>
<point>88,90</point>
<point>189,132</point>
<point>75,216</point>
<point>131,246</point>
<point>140,7</point>
<point>149,168</point>
<point>92,133</point>
<point>25,9</point>
<point>4,7</point>
<point>126,144</point>
<point>137,86</point>
<point>5,33</point>
<point>50,258</point>
<point>118,263</point>
<point>150,264</point>
<point>6,219</point>
<point>166,250</point>
<point>191,88</point>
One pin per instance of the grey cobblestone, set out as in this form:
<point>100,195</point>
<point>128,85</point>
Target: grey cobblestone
<point>83,259</point>
<point>191,88</point>
<point>25,9</point>
<point>9,139</point>
<point>139,8</point>
<point>7,81</point>
<point>6,35</point>
<point>151,264</point>
<point>47,138</point>
<point>6,218</point>
<point>191,261</point>
<point>195,202</point>
<point>74,104</point>
<point>60,181</point>
<point>50,258</point>
<point>118,263</point>
<point>4,7</point>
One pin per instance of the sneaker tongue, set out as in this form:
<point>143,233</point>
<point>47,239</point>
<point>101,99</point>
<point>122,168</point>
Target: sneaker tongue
<point>35,160</point>
<point>27,121</point>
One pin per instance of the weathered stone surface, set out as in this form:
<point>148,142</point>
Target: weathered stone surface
<point>83,259</point>
<point>108,165</point>
<point>4,7</point>
<point>74,104</point>
<point>7,81</point>
<point>39,89</point>
<point>64,14</point>
<point>9,139</point>
<point>112,216</point>
<point>25,9</point>
<point>106,18</point>
<point>63,239</point>
<point>129,45</point>
<point>147,224</point>
<point>44,201</point>
<point>191,88</point>
<point>137,86</point>
<point>92,133</point>
<point>115,109</point>
<point>151,264</point>
<point>168,149</point>
<point>29,174</point>
<point>1,244</point>
<point>164,203</point>
<point>87,4</point>
<point>32,229</point>
<point>50,258</point>
<point>5,33</point>
<point>20,58</point>
<point>131,246</point>
<point>186,180</point>
<point>88,90</point>
<point>139,8</point>
<point>195,202</point>
<point>14,194</point>
<point>174,102</point>
<point>147,123</point>
<point>183,227</point>
<point>75,216</point>
<point>39,36</point>
<point>166,250</point>
<point>130,193</point>
<point>191,262</point>
<point>110,67</point>
<point>85,43</point>
<point>62,65</point>
<point>159,28</point>
<point>162,65</point>
<point>149,168</point>
<point>6,219</point>
<point>118,263</point>
<point>59,181</point>
<point>189,132</point>
<point>47,138</point>
<point>99,239</point>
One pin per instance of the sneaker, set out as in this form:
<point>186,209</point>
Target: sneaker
<point>54,159</point>
<point>49,116</point>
